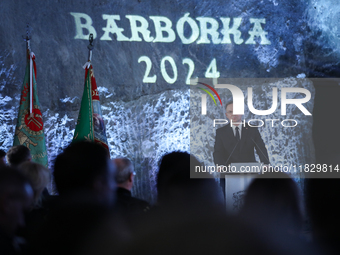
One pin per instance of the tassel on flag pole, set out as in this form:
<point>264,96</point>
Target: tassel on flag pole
<point>90,124</point>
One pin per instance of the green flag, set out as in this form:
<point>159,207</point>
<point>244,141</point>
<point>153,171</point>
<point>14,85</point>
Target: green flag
<point>90,123</point>
<point>84,128</point>
<point>29,130</point>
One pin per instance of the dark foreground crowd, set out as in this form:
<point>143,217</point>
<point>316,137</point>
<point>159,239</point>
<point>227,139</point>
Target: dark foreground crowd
<point>95,213</point>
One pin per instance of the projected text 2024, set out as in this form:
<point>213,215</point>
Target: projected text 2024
<point>149,77</point>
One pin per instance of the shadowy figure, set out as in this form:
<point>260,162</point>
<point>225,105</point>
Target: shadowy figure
<point>189,220</point>
<point>16,197</point>
<point>176,189</point>
<point>84,177</point>
<point>38,176</point>
<point>322,195</point>
<point>2,158</point>
<point>273,203</point>
<point>17,155</point>
<point>125,180</point>
<point>84,169</point>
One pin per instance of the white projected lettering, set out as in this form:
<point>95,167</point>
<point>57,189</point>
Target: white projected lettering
<point>81,26</point>
<point>165,74</point>
<point>203,30</point>
<point>211,71</point>
<point>139,24</point>
<point>257,31</point>
<point>191,64</point>
<point>148,63</point>
<point>167,29</point>
<point>187,29</point>
<point>227,31</point>
<point>195,32</point>
<point>112,28</point>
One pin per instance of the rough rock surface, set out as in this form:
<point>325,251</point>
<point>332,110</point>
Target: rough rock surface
<point>145,120</point>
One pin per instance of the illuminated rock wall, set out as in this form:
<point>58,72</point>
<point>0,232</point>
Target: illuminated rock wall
<point>147,113</point>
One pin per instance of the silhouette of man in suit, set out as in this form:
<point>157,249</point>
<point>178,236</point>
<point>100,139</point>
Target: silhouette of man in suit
<point>235,143</point>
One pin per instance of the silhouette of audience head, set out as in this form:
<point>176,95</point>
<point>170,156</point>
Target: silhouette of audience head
<point>124,173</point>
<point>176,187</point>
<point>217,234</point>
<point>2,158</point>
<point>16,197</point>
<point>39,177</point>
<point>273,201</point>
<point>85,167</point>
<point>18,155</point>
<point>69,226</point>
<point>322,194</point>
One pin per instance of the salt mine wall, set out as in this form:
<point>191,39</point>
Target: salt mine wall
<point>148,56</point>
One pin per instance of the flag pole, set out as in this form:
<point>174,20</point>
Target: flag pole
<point>90,47</point>
<point>27,38</point>
<point>31,56</point>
